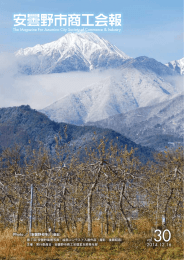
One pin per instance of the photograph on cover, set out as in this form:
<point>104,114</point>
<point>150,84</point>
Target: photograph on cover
<point>91,129</point>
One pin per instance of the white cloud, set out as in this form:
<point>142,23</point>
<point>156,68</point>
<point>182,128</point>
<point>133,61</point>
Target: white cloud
<point>177,81</point>
<point>39,91</point>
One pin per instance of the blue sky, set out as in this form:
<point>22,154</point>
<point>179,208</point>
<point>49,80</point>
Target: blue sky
<point>150,28</point>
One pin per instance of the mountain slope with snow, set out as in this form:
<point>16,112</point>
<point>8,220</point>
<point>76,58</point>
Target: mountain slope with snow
<point>126,90</point>
<point>148,64</point>
<point>154,126</point>
<point>177,65</point>
<point>72,52</point>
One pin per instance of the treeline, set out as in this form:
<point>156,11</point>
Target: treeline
<point>109,185</point>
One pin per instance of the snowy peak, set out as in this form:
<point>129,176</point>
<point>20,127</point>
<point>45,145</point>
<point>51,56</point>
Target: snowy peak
<point>86,43</point>
<point>177,65</point>
<point>83,52</point>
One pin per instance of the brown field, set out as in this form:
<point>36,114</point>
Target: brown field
<point>133,247</point>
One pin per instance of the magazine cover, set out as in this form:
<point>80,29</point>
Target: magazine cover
<point>91,129</point>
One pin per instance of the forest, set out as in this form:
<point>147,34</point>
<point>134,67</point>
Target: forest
<point>109,192</point>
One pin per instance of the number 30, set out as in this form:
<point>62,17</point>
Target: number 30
<point>162,235</point>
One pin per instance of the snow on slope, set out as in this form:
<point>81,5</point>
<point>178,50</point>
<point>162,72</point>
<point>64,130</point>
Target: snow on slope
<point>177,65</point>
<point>149,64</point>
<point>132,88</point>
<point>84,51</point>
<point>155,126</point>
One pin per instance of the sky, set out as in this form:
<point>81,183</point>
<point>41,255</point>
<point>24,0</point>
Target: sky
<point>150,28</point>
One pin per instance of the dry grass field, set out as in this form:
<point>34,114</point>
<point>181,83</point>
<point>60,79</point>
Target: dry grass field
<point>133,247</point>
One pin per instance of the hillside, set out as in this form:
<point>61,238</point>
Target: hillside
<point>21,124</point>
<point>154,126</point>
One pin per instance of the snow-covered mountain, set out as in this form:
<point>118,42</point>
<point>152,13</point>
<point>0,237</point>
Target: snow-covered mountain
<point>127,89</point>
<point>154,126</point>
<point>72,52</point>
<point>149,64</point>
<point>177,65</point>
<point>136,82</point>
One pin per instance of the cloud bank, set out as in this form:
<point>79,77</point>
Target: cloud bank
<point>39,91</point>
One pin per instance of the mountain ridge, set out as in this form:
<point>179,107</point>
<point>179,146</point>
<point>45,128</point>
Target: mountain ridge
<point>154,126</point>
<point>177,66</point>
<point>71,52</point>
<point>28,127</point>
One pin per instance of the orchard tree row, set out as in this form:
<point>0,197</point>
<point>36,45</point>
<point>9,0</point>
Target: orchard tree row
<point>109,185</point>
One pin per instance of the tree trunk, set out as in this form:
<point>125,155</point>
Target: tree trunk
<point>122,211</point>
<point>17,216</point>
<point>114,220</point>
<point>107,210</point>
<point>64,202</point>
<point>165,212</point>
<point>102,228</point>
<point>90,205</point>
<point>65,216</point>
<point>36,212</point>
<point>83,224</point>
<point>59,217</point>
<point>46,210</point>
<point>89,214</point>
<point>107,220</point>
<point>55,211</point>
